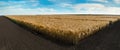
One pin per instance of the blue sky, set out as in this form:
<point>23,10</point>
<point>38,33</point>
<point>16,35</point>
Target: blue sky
<point>33,7</point>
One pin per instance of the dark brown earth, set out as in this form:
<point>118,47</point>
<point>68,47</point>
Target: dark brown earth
<point>14,37</point>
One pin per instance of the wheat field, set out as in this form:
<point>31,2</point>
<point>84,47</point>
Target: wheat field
<point>68,28</point>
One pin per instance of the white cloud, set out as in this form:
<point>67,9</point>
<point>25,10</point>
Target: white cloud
<point>117,1</point>
<point>87,6</point>
<point>23,3</point>
<point>99,0</point>
<point>65,5</point>
<point>77,8</point>
<point>12,3</point>
<point>34,2</point>
<point>95,9</point>
<point>62,1</point>
<point>46,9</point>
<point>23,11</point>
<point>23,8</point>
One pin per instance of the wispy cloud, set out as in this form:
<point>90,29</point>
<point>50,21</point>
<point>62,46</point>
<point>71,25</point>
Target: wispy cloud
<point>104,1</point>
<point>65,5</point>
<point>23,8</point>
<point>93,8</point>
<point>59,6</point>
<point>23,11</point>
<point>117,1</point>
<point>62,1</point>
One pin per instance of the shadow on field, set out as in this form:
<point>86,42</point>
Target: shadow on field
<point>106,39</point>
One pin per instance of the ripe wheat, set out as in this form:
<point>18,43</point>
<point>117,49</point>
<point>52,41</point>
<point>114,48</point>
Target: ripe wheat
<point>64,27</point>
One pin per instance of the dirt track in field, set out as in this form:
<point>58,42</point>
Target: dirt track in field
<point>14,37</point>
